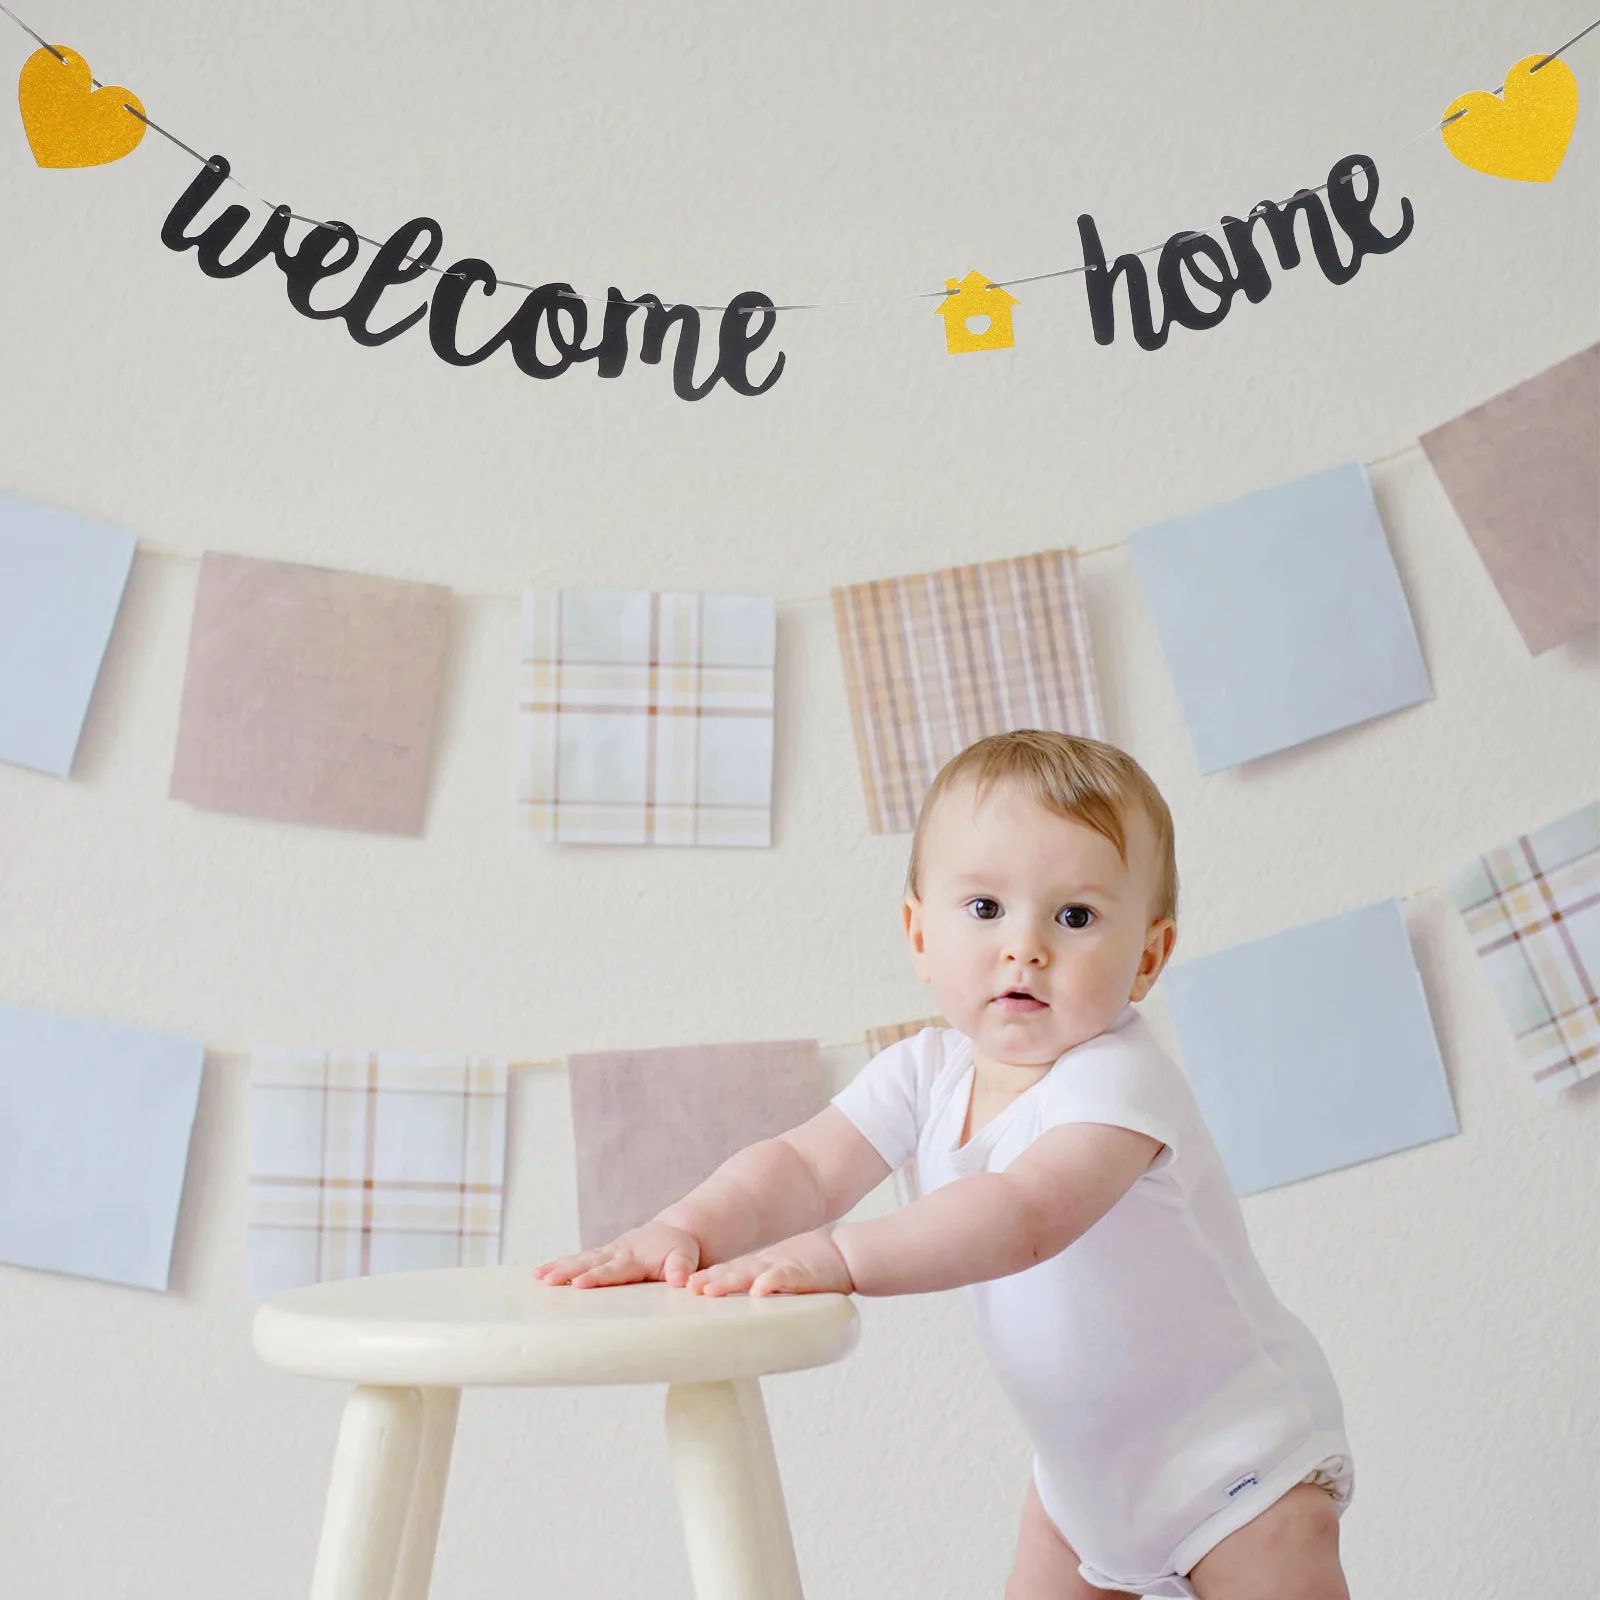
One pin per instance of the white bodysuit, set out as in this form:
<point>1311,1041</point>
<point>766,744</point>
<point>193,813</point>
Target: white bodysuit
<point>1169,1395</point>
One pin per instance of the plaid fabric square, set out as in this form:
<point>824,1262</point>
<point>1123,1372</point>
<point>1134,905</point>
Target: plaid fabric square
<point>646,718</point>
<point>1532,908</point>
<point>934,662</point>
<point>372,1163</point>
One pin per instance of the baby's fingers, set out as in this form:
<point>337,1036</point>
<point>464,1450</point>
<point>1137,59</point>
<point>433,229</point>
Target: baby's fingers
<point>565,1268</point>
<point>676,1268</point>
<point>785,1278</point>
<point>728,1277</point>
<point>620,1268</point>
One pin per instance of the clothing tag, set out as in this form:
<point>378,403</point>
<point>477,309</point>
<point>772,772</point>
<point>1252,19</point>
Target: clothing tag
<point>1249,1481</point>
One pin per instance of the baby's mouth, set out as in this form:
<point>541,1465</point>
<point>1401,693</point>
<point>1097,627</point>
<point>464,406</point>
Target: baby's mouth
<point>1018,1001</point>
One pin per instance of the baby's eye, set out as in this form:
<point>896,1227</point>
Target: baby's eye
<point>1075,916</point>
<point>984,909</point>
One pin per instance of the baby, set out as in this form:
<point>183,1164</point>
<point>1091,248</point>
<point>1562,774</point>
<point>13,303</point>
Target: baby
<point>1188,1436</point>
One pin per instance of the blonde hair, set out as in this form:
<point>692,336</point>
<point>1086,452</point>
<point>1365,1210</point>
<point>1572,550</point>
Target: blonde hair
<point>1089,781</point>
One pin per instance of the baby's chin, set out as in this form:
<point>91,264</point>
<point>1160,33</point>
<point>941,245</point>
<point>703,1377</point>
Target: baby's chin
<point>1031,1039</point>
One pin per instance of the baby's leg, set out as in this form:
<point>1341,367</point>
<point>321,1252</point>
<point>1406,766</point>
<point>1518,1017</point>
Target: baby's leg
<point>1289,1552</point>
<point>1046,1566</point>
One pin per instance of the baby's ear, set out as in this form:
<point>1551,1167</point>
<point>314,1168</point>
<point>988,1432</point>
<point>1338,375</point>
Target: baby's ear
<point>911,919</point>
<point>1157,948</point>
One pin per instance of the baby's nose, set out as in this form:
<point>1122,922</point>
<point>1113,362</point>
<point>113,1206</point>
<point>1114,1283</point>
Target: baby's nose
<point>1027,943</point>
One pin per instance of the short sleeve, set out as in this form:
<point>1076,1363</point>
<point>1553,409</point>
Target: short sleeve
<point>1125,1084</point>
<point>888,1099</point>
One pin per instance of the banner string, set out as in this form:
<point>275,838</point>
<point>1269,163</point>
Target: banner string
<point>799,305</point>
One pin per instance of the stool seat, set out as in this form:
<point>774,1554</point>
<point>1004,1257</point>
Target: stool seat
<point>466,1326</point>
<point>411,1341</point>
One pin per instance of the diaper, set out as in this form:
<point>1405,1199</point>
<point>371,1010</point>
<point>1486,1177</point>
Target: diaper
<point>1332,1473</point>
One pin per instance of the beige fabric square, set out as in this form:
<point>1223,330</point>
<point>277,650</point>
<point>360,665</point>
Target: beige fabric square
<point>311,695</point>
<point>934,662</point>
<point>1523,472</point>
<point>651,1124</point>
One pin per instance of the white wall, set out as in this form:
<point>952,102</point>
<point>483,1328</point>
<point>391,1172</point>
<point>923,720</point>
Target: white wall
<point>814,152</point>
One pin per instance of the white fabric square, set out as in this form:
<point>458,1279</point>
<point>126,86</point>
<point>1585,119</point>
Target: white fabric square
<point>646,718</point>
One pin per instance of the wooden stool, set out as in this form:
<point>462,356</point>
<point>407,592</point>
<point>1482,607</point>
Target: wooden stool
<point>410,1341</point>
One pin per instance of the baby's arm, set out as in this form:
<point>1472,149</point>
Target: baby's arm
<point>768,1191</point>
<point>987,1226</point>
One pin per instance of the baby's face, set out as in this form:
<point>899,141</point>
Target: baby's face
<point>1031,929</point>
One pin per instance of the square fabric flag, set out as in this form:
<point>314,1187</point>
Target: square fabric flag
<point>61,582</point>
<point>1312,1049</point>
<point>1532,908</point>
<point>1523,472</point>
<point>310,695</point>
<point>646,718</point>
<point>934,662</point>
<point>1281,616</point>
<point>372,1163</point>
<point>95,1122</point>
<point>651,1124</point>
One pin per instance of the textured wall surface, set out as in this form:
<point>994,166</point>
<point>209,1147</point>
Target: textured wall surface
<point>818,153</point>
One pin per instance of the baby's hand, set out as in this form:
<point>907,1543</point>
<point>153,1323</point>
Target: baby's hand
<point>657,1251</point>
<point>809,1263</point>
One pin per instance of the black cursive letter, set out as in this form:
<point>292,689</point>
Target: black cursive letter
<point>1187,250</point>
<point>398,261</point>
<point>459,277</point>
<point>309,265</point>
<point>657,320</point>
<point>1102,283</point>
<point>741,332</point>
<point>1280,224</point>
<point>209,244</point>
<point>1354,212</point>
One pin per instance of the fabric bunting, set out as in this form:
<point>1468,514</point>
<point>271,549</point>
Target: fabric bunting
<point>1313,1048</point>
<point>95,1124</point>
<point>651,1124</point>
<point>372,1163</point>
<point>1532,909</point>
<point>61,584</point>
<point>1281,616</point>
<point>310,695</point>
<point>647,718</point>
<point>1523,472</point>
<point>935,661</point>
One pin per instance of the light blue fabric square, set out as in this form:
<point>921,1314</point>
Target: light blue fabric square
<point>61,581</point>
<point>95,1122</point>
<point>1281,616</point>
<point>1312,1049</point>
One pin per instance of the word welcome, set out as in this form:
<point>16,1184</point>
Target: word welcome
<point>545,333</point>
<point>1217,277</point>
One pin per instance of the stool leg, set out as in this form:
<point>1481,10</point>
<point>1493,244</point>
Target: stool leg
<point>369,1494</point>
<point>729,1494</point>
<point>414,1573</point>
<point>783,1573</point>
